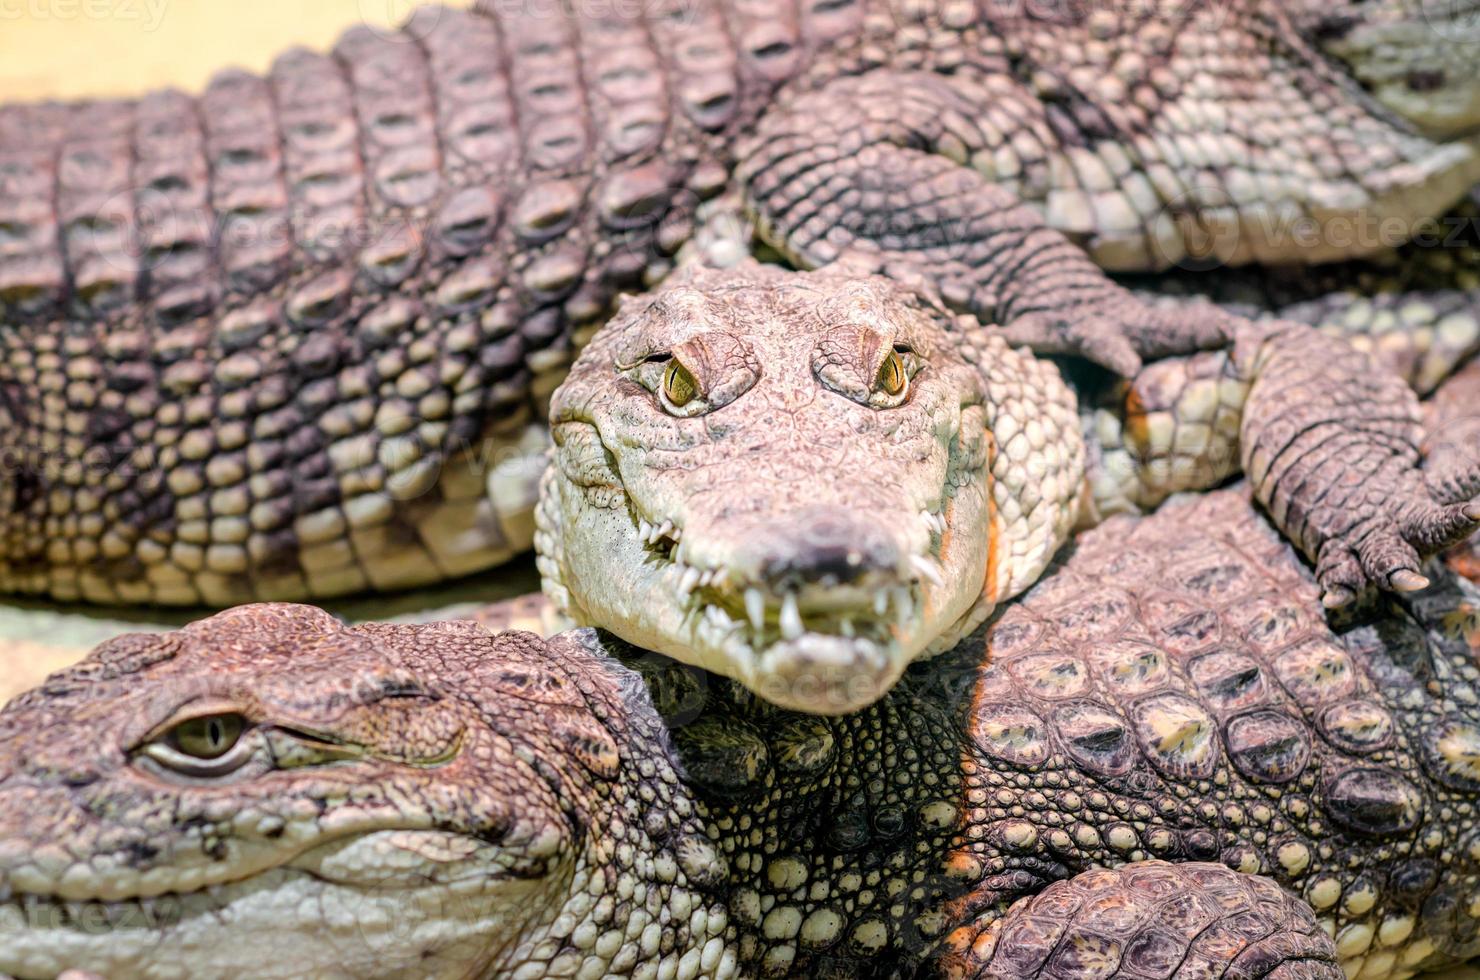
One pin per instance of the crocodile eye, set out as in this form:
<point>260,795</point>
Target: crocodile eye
<point>208,737</point>
<point>679,386</point>
<point>892,378</point>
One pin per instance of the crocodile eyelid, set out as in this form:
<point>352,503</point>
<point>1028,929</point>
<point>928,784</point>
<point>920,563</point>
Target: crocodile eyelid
<point>199,708</point>
<point>657,357</point>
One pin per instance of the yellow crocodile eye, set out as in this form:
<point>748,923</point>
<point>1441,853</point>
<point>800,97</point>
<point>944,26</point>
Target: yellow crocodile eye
<point>208,737</point>
<point>892,378</point>
<point>678,384</point>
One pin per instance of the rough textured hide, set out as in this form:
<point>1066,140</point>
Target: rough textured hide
<point>1160,755</point>
<point>848,477</point>
<point>275,341</point>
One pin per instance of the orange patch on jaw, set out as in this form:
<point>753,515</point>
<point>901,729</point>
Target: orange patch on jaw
<point>960,863</point>
<point>994,529</point>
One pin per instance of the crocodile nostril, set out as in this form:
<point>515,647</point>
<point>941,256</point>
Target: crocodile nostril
<point>1430,80</point>
<point>823,546</point>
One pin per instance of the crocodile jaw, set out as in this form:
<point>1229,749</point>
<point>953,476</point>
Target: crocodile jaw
<point>389,903</point>
<point>822,648</point>
<point>1417,59</point>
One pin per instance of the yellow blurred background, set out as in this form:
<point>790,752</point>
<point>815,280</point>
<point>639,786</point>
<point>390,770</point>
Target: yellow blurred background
<point>69,49</point>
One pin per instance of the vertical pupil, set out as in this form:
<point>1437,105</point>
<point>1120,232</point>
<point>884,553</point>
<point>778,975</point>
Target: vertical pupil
<point>213,732</point>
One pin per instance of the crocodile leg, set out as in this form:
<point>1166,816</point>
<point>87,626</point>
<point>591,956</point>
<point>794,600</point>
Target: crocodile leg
<point>1298,411</point>
<point>1421,336</point>
<point>869,170</point>
<point>1332,448</point>
<point>1150,919</point>
<point>1417,310</point>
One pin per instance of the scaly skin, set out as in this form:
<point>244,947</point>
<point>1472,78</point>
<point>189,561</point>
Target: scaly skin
<point>404,802</point>
<point>1161,755</point>
<point>1417,311</point>
<point>276,340</point>
<point>792,522</point>
<point>1452,418</point>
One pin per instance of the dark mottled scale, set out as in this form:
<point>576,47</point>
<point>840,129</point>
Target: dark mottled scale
<point>393,102</point>
<point>475,111</point>
<point>322,165</point>
<point>248,194</point>
<point>32,269</point>
<point>95,207</point>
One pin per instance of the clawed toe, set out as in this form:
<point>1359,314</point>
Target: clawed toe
<point>1407,580</point>
<point>1388,551</point>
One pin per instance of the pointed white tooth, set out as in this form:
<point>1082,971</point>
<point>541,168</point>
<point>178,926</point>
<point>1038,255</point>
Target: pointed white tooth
<point>791,619</point>
<point>881,602</point>
<point>755,608</point>
<point>904,606</point>
<point>689,581</point>
<point>845,626</point>
<point>925,568</point>
<point>665,530</point>
<point>644,530</point>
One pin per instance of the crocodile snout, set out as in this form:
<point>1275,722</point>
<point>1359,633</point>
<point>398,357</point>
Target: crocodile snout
<point>822,546</point>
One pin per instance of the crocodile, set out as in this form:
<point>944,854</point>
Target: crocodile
<point>806,480</point>
<point>1160,761</point>
<point>295,337</point>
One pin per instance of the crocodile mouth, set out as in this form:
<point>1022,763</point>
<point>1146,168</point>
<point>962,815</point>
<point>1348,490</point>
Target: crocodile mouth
<point>222,927</point>
<point>825,645</point>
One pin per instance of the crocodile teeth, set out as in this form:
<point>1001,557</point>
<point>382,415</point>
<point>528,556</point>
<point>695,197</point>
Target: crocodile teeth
<point>845,626</point>
<point>936,522</point>
<point>791,618</point>
<point>755,608</point>
<point>719,619</point>
<point>904,605</point>
<point>644,531</point>
<point>689,580</point>
<point>881,603</point>
<point>925,568</point>
<point>665,530</point>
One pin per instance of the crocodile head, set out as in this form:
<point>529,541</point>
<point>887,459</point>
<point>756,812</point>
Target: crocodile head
<point>376,801</point>
<point>800,480</point>
<point>1417,57</point>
